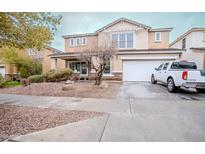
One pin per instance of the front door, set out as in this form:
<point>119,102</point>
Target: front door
<point>83,69</point>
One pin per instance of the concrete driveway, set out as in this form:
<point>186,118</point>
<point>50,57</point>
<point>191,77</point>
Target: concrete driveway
<point>148,91</point>
<point>141,112</point>
<point>157,115</point>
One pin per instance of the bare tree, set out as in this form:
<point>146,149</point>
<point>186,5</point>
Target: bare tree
<point>98,56</point>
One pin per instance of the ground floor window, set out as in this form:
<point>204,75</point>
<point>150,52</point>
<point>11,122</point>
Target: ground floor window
<point>80,67</point>
<point>75,66</point>
<point>107,67</point>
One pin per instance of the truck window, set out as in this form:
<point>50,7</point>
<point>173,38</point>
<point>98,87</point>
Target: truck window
<point>165,66</point>
<point>160,67</point>
<point>183,65</point>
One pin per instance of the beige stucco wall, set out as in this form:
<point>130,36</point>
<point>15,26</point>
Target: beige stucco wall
<point>196,56</point>
<point>92,41</point>
<point>164,43</point>
<point>46,62</point>
<point>59,65</point>
<point>9,68</point>
<point>140,34</point>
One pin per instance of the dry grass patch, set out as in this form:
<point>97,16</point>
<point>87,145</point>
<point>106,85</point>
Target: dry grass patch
<point>80,89</point>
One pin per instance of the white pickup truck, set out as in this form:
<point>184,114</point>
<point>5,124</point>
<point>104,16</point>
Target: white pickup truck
<point>178,74</point>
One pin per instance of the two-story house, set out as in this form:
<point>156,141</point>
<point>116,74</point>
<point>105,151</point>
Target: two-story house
<point>193,43</point>
<point>140,50</point>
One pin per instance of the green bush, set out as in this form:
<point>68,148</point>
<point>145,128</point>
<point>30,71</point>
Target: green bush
<point>36,78</point>
<point>24,73</point>
<point>1,78</point>
<point>56,75</point>
<point>36,67</point>
<point>7,84</point>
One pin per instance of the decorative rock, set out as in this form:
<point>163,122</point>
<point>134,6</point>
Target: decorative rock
<point>68,87</point>
<point>103,85</point>
<point>69,82</point>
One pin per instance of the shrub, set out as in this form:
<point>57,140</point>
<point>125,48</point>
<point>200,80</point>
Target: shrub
<point>36,67</point>
<point>1,81</point>
<point>24,73</point>
<point>56,75</point>
<point>36,78</point>
<point>1,78</point>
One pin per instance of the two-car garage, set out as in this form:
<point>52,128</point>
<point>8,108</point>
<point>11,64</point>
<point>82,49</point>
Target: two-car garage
<point>140,69</point>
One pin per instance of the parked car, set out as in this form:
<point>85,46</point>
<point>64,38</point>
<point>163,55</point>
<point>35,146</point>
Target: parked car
<point>178,74</point>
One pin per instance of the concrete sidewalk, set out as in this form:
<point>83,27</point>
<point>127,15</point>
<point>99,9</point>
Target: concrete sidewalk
<point>67,103</point>
<point>125,128</point>
<point>90,130</point>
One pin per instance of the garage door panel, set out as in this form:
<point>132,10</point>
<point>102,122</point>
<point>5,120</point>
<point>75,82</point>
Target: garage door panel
<point>139,70</point>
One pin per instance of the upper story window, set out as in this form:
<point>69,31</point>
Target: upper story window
<point>84,41</point>
<point>32,52</point>
<point>158,36</point>
<point>123,40</point>
<point>130,40</point>
<point>72,42</point>
<point>78,41</point>
<point>184,43</point>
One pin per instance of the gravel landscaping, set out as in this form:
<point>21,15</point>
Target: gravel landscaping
<point>80,89</point>
<point>18,120</point>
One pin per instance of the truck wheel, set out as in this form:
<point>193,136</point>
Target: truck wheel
<point>171,86</point>
<point>153,81</point>
<point>200,90</point>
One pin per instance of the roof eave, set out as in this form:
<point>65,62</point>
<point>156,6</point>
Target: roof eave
<point>51,48</point>
<point>161,30</point>
<point>122,19</point>
<point>78,35</point>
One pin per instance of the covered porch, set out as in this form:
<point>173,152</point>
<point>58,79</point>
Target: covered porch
<point>73,62</point>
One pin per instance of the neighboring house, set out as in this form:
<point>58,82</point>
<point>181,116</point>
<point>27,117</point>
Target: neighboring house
<point>42,56</point>
<point>140,50</point>
<point>7,70</point>
<point>193,42</point>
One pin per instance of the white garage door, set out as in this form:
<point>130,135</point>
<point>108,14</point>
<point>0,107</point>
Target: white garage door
<point>139,70</point>
<point>2,71</point>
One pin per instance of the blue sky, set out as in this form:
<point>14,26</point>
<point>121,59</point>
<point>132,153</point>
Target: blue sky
<point>74,23</point>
